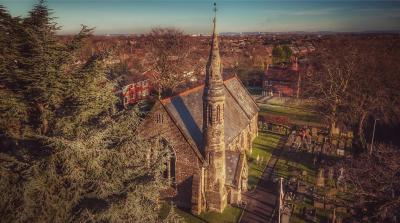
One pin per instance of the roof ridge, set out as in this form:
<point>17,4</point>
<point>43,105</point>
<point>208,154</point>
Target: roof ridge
<point>188,91</point>
<point>237,102</point>
<point>254,101</point>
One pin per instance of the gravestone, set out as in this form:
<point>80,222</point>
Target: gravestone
<point>342,209</point>
<point>302,188</point>
<point>320,182</point>
<point>298,142</point>
<point>318,204</point>
<point>340,180</point>
<point>350,134</point>
<point>317,148</point>
<point>330,173</point>
<point>314,131</point>
<point>342,144</point>
<point>331,193</point>
<point>290,140</point>
<point>308,142</point>
<point>320,139</point>
<point>304,173</point>
<point>349,143</point>
<point>326,148</point>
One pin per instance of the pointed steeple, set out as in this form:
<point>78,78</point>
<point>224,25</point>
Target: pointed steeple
<point>213,128</point>
<point>214,79</point>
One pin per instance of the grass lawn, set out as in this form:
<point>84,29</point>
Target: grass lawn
<point>263,146</point>
<point>297,115</point>
<point>296,161</point>
<point>230,215</point>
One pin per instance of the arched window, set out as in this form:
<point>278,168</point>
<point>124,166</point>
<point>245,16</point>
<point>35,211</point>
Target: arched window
<point>169,172</point>
<point>218,114</point>
<point>210,116</point>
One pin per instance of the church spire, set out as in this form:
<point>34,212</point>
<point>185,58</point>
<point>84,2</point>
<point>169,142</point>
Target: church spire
<point>214,69</point>
<point>213,128</point>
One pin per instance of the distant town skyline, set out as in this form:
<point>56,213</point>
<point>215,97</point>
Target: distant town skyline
<point>194,16</point>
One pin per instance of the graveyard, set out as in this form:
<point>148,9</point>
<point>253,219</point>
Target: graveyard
<point>307,165</point>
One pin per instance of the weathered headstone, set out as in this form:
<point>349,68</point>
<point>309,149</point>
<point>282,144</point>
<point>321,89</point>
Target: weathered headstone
<point>320,178</point>
<point>340,152</point>
<point>317,148</point>
<point>342,144</point>
<point>318,204</point>
<point>302,188</point>
<point>325,148</point>
<point>349,143</point>
<point>320,139</point>
<point>330,173</point>
<point>298,142</point>
<point>314,131</point>
<point>331,193</point>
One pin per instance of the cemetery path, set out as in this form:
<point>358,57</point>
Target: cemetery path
<point>262,201</point>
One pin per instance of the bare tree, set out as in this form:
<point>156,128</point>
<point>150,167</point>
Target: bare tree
<point>374,92</point>
<point>374,184</point>
<point>328,81</point>
<point>354,79</point>
<point>170,49</point>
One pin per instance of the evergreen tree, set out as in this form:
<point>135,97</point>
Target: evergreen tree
<point>66,154</point>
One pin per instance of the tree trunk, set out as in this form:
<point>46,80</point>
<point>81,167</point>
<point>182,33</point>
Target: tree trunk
<point>361,136</point>
<point>333,127</point>
<point>298,85</point>
<point>44,123</point>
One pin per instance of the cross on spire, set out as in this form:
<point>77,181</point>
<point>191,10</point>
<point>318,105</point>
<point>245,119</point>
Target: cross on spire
<point>215,12</point>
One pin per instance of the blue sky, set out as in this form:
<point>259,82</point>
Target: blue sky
<point>194,16</point>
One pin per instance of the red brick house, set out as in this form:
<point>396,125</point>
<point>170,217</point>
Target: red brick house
<point>134,89</point>
<point>281,80</point>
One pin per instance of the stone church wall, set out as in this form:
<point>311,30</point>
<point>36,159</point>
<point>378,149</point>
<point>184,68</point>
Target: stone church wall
<point>159,123</point>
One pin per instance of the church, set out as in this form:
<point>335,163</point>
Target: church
<point>208,131</point>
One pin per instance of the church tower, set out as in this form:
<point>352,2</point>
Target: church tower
<point>213,128</point>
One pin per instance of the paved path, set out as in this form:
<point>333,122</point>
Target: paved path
<point>262,201</point>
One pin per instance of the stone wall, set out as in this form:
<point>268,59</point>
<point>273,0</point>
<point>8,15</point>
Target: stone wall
<point>188,163</point>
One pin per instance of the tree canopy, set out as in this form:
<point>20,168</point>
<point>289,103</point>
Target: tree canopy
<point>354,80</point>
<point>66,153</point>
<point>281,54</point>
<point>170,50</point>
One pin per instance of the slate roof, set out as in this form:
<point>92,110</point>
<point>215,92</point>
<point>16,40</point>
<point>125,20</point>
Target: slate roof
<point>244,99</point>
<point>186,109</point>
<point>231,164</point>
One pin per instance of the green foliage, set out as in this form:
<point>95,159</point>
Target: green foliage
<point>281,54</point>
<point>170,214</point>
<point>67,154</point>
